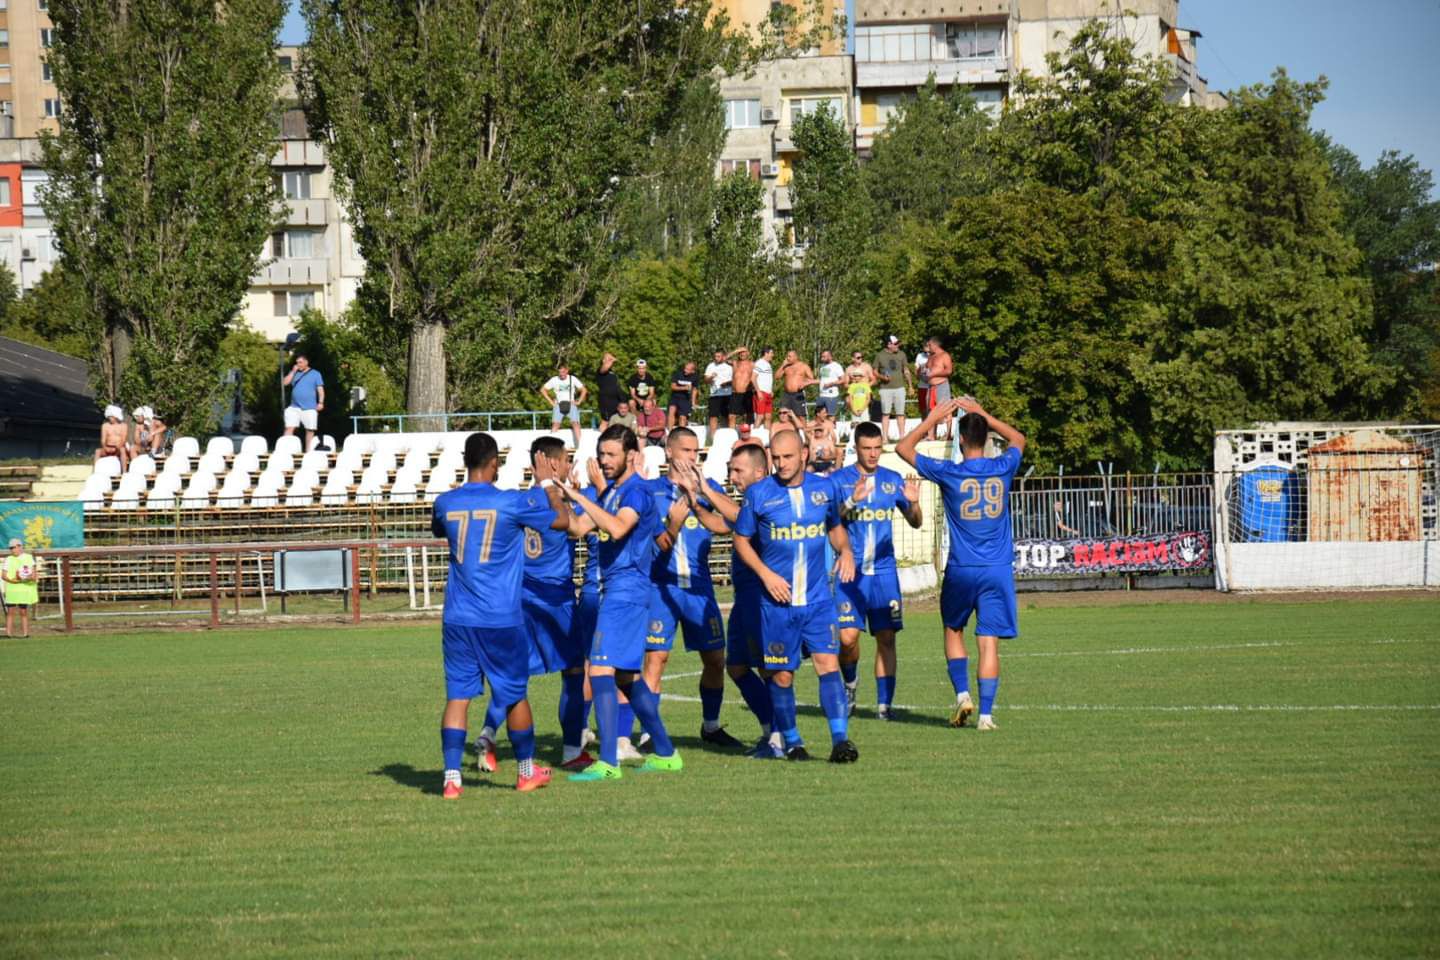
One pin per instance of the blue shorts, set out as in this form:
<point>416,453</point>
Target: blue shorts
<point>671,607</point>
<point>988,591</point>
<point>550,618</point>
<point>619,640</point>
<point>582,627</point>
<point>874,597</point>
<point>742,640</point>
<point>790,631</point>
<point>476,654</point>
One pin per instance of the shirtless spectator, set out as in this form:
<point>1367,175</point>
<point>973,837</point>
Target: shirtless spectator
<point>937,371</point>
<point>824,453</point>
<point>112,437</point>
<point>742,401</point>
<point>796,376</point>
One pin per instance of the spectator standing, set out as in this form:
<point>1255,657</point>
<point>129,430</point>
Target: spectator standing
<point>742,399</point>
<point>607,387</point>
<point>682,394</point>
<point>641,385</point>
<point>796,375</point>
<point>764,405</point>
<point>564,393</point>
<point>832,379</point>
<point>823,451</point>
<point>307,399</point>
<point>938,370</point>
<point>893,369</point>
<point>20,575</point>
<point>861,377</point>
<point>624,416</point>
<point>922,381</point>
<point>652,423</point>
<point>720,376</point>
<point>112,437</point>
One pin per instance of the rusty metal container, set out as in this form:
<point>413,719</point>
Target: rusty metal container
<point>1365,486</point>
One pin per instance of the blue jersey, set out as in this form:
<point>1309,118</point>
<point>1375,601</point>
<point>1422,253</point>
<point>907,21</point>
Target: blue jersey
<point>486,530</point>
<point>977,506</point>
<point>625,563</point>
<point>687,564</point>
<point>870,522</point>
<point>591,583</point>
<point>549,560</point>
<point>789,528</point>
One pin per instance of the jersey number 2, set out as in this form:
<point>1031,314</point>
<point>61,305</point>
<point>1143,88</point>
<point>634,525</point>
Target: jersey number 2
<point>992,493</point>
<point>462,521</point>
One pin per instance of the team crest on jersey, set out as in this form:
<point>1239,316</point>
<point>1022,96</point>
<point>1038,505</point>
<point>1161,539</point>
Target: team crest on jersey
<point>845,607</point>
<point>887,487</point>
<point>818,497</point>
<point>656,626</point>
<point>777,648</point>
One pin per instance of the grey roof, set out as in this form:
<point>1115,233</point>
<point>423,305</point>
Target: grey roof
<point>42,387</point>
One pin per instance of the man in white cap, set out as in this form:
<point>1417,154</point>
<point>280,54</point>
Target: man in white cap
<point>19,574</point>
<point>112,437</point>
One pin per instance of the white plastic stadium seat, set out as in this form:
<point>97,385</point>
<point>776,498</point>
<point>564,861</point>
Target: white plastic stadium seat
<point>337,488</point>
<point>440,481</point>
<point>142,466</point>
<point>317,461</point>
<point>290,445</point>
<point>383,460</point>
<point>280,462</point>
<point>188,446</point>
<point>267,490</point>
<point>418,459</point>
<point>403,490</point>
<point>245,463</point>
<point>328,442</point>
<point>177,465</point>
<point>197,494</point>
<point>351,460</point>
<point>232,491</point>
<point>302,490</point>
<point>162,494</point>
<point>211,463</point>
<point>369,489</point>
<point>107,467</point>
<point>358,443</point>
<point>510,477</point>
<point>725,437</point>
<point>255,446</point>
<point>129,492</point>
<point>220,446</point>
<point>654,459</point>
<point>761,434</point>
<point>717,465</point>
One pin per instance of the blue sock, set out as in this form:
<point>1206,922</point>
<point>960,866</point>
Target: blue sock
<point>647,708</point>
<point>988,688</point>
<point>607,711</point>
<point>885,690</point>
<point>836,707</point>
<point>523,742</point>
<point>625,719</point>
<point>710,701</point>
<point>850,671</point>
<point>452,746</point>
<point>782,705</point>
<point>585,716</point>
<point>494,715</point>
<point>757,698</point>
<point>572,703</point>
<point>959,668</point>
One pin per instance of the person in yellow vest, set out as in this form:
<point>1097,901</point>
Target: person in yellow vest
<point>20,574</point>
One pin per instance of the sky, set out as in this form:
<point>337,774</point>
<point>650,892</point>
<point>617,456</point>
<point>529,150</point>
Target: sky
<point>1382,58</point>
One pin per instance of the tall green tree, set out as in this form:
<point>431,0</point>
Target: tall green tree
<point>935,148</point>
<point>736,302</point>
<point>160,187</point>
<point>831,211</point>
<point>56,313</point>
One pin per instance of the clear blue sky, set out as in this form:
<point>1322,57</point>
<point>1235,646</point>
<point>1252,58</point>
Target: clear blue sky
<point>1382,58</point>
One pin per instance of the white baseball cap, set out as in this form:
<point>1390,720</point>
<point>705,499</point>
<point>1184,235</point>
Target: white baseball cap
<point>16,542</point>
<point>112,412</point>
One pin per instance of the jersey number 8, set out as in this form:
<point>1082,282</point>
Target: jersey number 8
<point>463,519</point>
<point>992,493</point>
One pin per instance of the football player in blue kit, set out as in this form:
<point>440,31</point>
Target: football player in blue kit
<point>483,631</point>
<point>872,493</point>
<point>626,522</point>
<point>781,534</point>
<point>979,572</point>
<point>686,595</point>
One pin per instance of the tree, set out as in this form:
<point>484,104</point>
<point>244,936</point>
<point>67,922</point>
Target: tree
<point>160,187</point>
<point>9,292</point>
<point>737,302</point>
<point>933,150</point>
<point>56,314</point>
<point>1395,224</point>
<point>832,216</point>
<point>1266,312</point>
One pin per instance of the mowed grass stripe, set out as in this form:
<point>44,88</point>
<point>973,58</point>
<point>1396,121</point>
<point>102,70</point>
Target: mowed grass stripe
<point>265,793</point>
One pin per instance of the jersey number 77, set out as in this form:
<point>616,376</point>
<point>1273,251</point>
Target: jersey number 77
<point>462,520</point>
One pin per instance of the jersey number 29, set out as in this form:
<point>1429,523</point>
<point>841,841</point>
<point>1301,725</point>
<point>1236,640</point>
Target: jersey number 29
<point>992,493</point>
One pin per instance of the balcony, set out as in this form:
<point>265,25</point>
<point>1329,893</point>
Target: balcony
<point>293,273</point>
<point>305,213</point>
<point>783,202</point>
<point>914,73</point>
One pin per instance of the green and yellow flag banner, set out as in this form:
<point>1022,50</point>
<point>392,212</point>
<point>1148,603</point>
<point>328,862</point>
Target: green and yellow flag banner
<point>43,526</point>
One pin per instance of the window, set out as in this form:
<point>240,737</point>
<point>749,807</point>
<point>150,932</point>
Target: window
<point>898,44</point>
<point>296,184</point>
<point>887,105</point>
<point>4,38</point>
<point>52,106</point>
<point>965,41</point>
<point>5,193</point>
<point>287,64</point>
<point>741,114</point>
<point>4,73</point>
<point>289,303</point>
<point>752,167</point>
<point>44,4</point>
<point>45,73</point>
<point>45,35</point>
<point>297,244</point>
<point>805,106</point>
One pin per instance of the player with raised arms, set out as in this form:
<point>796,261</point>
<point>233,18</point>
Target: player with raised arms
<point>980,572</point>
<point>686,594</point>
<point>872,494</point>
<point>626,522</point>
<point>781,533</point>
<point>483,631</point>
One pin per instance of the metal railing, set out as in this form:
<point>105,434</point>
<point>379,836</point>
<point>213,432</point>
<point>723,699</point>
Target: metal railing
<point>473,420</point>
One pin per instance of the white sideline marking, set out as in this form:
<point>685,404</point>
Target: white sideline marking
<point>1150,708</point>
<point>1189,648</point>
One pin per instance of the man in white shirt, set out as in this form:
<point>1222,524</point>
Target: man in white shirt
<point>564,393</point>
<point>765,386</point>
<point>832,377</point>
<point>718,375</point>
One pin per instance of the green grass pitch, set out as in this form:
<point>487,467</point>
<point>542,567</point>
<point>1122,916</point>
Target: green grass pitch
<point>1232,779</point>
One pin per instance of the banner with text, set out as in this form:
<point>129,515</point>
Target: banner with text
<point>43,526</point>
<point>1168,551</point>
